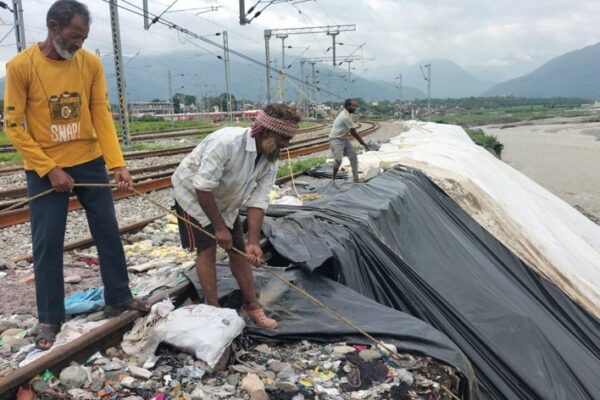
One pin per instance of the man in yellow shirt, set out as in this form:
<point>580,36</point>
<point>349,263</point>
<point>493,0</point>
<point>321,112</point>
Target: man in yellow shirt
<point>57,115</point>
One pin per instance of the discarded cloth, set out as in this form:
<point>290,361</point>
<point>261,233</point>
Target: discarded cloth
<point>85,302</point>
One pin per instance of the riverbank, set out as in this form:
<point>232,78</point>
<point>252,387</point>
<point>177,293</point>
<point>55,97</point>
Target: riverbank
<point>561,154</point>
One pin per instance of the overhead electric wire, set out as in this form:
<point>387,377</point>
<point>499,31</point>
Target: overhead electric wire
<point>172,25</point>
<point>309,21</point>
<point>8,33</point>
<point>156,18</point>
<point>297,58</point>
<point>352,52</point>
<point>259,12</point>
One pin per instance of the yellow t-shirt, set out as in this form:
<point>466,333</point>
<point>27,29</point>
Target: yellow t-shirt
<point>57,113</point>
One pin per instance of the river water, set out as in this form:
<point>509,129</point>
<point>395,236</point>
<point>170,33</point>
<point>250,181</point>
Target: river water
<point>563,155</point>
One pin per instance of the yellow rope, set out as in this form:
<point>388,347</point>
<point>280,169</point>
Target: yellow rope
<point>378,343</point>
<point>291,171</point>
<point>22,203</point>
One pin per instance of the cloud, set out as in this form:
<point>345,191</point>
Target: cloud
<point>396,32</point>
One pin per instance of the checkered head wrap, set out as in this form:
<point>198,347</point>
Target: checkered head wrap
<point>281,127</point>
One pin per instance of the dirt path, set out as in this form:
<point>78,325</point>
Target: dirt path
<point>563,157</point>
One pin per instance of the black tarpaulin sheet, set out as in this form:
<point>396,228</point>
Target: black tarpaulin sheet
<point>401,241</point>
<point>301,319</point>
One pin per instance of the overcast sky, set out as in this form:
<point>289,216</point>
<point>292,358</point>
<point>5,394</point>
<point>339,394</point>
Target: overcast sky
<point>512,34</point>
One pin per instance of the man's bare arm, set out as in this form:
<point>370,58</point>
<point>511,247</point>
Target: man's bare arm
<point>354,133</point>
<point>209,206</point>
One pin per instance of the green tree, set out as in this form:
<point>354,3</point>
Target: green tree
<point>180,100</point>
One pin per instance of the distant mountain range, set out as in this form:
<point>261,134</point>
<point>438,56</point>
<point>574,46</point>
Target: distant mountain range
<point>447,79</point>
<point>574,74</point>
<point>147,78</point>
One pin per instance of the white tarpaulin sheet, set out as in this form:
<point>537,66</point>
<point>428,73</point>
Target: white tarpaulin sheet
<point>552,237</point>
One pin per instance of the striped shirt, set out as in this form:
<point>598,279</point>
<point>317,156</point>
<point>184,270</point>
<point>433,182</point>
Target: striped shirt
<point>224,164</point>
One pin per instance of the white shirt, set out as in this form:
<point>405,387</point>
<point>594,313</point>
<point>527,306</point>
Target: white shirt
<point>341,125</point>
<point>224,164</point>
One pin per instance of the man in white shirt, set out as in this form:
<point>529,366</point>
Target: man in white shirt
<point>339,139</point>
<point>231,168</point>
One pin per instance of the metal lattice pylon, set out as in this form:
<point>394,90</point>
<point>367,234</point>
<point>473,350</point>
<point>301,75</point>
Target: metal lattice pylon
<point>118,56</point>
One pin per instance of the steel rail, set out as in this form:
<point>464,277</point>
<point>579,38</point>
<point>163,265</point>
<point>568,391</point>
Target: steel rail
<point>169,134</point>
<point>294,144</point>
<point>80,349</point>
<point>88,241</point>
<point>127,156</point>
<point>136,179</point>
<point>85,242</point>
<point>323,144</point>
<point>194,132</point>
<point>9,148</point>
<point>21,215</point>
<point>106,335</point>
<point>22,190</point>
<point>158,153</point>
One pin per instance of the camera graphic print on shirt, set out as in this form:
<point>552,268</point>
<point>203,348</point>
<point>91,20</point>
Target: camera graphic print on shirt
<point>65,113</point>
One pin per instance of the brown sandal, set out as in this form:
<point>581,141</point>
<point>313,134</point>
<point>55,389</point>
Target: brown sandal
<point>133,304</point>
<point>46,336</point>
<point>260,318</point>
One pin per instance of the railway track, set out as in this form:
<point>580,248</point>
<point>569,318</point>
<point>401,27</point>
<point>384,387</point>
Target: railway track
<point>20,215</point>
<point>133,227</point>
<point>111,333</point>
<point>80,349</point>
<point>107,335</point>
<point>140,137</point>
<point>128,156</point>
<point>138,154</point>
<point>138,174</point>
<point>323,144</point>
<point>298,148</point>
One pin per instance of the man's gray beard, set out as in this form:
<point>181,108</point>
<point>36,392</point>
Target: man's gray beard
<point>274,156</point>
<point>60,49</point>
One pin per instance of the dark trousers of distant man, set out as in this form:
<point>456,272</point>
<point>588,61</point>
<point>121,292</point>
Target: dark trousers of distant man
<point>48,216</point>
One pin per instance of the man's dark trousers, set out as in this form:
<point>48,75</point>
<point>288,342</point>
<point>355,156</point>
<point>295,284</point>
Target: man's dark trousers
<point>48,216</point>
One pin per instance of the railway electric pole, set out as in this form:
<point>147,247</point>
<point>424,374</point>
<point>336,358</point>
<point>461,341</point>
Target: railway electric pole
<point>171,100</point>
<point>333,35</point>
<point>399,77</point>
<point>427,77</point>
<point>146,17</point>
<point>243,19</point>
<point>118,56</point>
<point>346,59</point>
<point>280,33</point>
<point>282,76</point>
<point>227,76</point>
<point>19,25</point>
